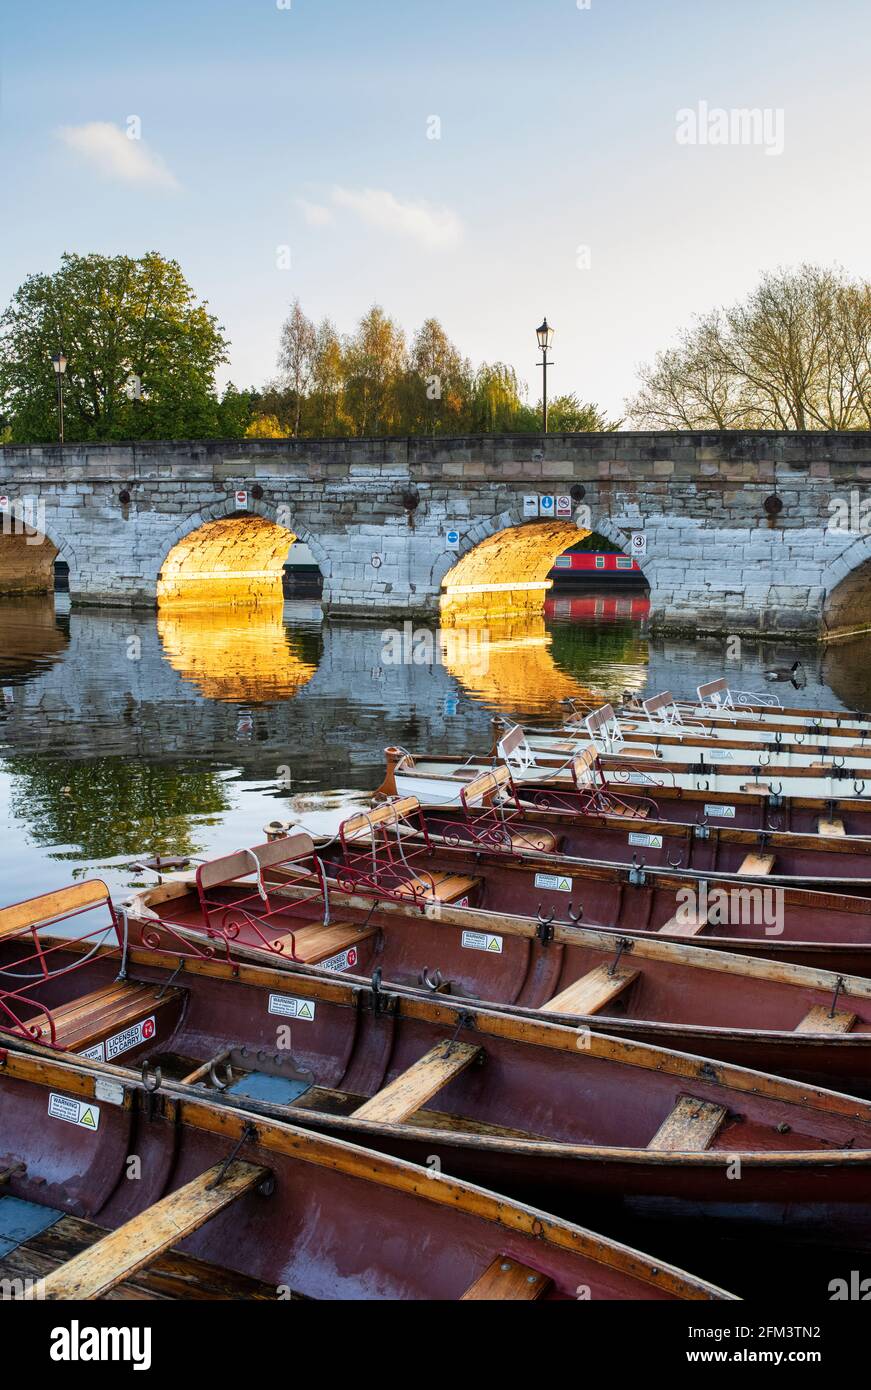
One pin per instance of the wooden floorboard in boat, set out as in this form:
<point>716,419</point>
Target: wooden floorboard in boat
<point>591,992</point>
<point>506,1279</point>
<point>409,1091</point>
<point>172,1276</point>
<point>691,1127</point>
<point>331,1102</point>
<point>822,1020</point>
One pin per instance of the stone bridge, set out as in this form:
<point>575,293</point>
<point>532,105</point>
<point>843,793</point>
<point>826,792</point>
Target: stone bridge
<point>763,533</point>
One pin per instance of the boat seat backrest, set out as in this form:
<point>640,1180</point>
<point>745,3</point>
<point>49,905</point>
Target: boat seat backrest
<point>603,726</point>
<point>489,786</point>
<point>391,814</point>
<point>715,693</point>
<point>584,766</point>
<point>514,748</point>
<point>663,706</point>
<point>52,907</point>
<point>244,862</point>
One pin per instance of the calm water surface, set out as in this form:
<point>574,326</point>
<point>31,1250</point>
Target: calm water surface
<point>127,736</point>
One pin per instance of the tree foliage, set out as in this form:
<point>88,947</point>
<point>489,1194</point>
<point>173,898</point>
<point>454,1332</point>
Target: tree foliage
<point>142,352</point>
<point>796,355</point>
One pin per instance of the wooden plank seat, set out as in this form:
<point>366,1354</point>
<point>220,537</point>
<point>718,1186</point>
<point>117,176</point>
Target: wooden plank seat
<point>479,800</point>
<point>440,887</point>
<point>414,1087</point>
<point>90,1019</point>
<point>830,828</point>
<point>756,865</point>
<point>137,1243</point>
<point>507,1280</point>
<point>821,1020</point>
<point>591,992</point>
<point>533,840</point>
<point>691,1127</point>
<point>313,944</point>
<point>684,924</point>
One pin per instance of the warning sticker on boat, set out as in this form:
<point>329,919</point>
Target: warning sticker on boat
<point>720,755</point>
<point>346,960</point>
<point>556,883</point>
<point>287,1007</point>
<point>75,1112</point>
<point>727,812</point>
<point>646,841</point>
<point>134,1036</point>
<point>482,941</point>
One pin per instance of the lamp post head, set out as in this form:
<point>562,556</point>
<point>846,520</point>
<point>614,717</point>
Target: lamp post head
<point>59,362</point>
<point>544,334</point>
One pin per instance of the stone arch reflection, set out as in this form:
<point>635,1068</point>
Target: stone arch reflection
<point>247,656</point>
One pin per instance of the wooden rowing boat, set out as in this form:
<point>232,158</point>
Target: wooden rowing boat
<point>110,1004</point>
<point>497,815</point>
<point>520,1103</point>
<point>255,1198</point>
<point>826,931</point>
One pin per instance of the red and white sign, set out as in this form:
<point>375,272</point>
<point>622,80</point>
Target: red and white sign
<point>242,501</point>
<point>345,961</point>
<point>131,1037</point>
<point>564,507</point>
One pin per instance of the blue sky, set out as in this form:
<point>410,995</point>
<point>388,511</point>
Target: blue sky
<point>264,127</point>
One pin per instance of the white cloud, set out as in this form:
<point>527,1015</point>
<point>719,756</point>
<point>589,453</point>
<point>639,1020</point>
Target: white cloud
<point>108,148</point>
<point>315,214</point>
<point>437,229</point>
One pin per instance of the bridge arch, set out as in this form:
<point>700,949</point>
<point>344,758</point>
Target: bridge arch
<point>846,609</point>
<point>224,555</point>
<point>29,550</point>
<point>512,556</point>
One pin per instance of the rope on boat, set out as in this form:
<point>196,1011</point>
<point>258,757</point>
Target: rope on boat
<point>56,974</point>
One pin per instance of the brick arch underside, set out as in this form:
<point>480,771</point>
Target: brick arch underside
<point>847,607</point>
<point>516,557</point>
<point>26,562</point>
<point>228,561</point>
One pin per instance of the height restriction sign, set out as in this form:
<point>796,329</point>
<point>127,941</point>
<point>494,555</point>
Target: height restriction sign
<point>639,544</point>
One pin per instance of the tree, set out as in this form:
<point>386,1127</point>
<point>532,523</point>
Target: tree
<point>373,363</point>
<point>436,389</point>
<point>142,352</point>
<point>296,357</point>
<point>497,402</point>
<point>796,355</point>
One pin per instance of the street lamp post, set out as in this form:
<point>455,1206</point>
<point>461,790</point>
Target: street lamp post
<point>544,334</point>
<point>59,362</point>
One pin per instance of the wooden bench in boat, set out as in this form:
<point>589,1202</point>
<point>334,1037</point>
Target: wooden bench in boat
<point>441,887</point>
<point>317,943</point>
<point>134,1245</point>
<point>691,1127</point>
<point>592,992</point>
<point>505,1279</point>
<point>830,828</point>
<point>684,923</point>
<point>756,865</point>
<point>822,1020</point>
<point>390,815</point>
<point>82,1023</point>
<point>414,1087</point>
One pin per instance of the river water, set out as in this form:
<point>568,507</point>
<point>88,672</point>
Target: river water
<point>124,736</point>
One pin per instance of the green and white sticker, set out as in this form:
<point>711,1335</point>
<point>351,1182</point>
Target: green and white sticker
<point>482,941</point>
<point>554,883</point>
<point>726,812</point>
<point>288,1007</point>
<point>75,1112</point>
<point>646,841</point>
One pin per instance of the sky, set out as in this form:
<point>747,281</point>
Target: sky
<point>285,148</point>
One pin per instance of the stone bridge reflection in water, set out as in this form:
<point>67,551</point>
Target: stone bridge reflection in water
<point>129,734</point>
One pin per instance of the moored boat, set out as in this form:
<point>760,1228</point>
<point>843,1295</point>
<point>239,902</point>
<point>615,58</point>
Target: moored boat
<point>253,1197</point>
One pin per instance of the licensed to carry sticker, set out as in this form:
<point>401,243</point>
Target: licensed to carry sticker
<point>646,841</point>
<point>555,883</point>
<point>75,1112</point>
<point>131,1037</point>
<point>727,812</point>
<point>482,941</point>
<point>345,960</point>
<point>288,1007</point>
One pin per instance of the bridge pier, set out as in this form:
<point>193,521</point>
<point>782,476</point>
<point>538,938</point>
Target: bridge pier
<point>747,533</point>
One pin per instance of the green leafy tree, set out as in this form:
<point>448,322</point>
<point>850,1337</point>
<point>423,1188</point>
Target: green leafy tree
<point>142,352</point>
